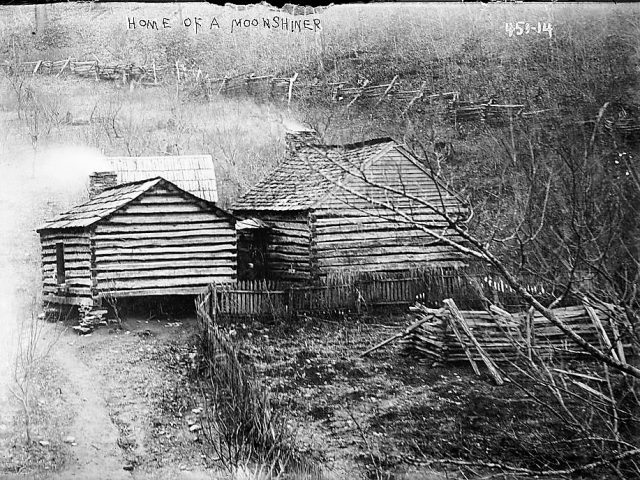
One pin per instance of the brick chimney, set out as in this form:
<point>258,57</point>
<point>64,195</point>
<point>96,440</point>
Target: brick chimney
<point>100,181</point>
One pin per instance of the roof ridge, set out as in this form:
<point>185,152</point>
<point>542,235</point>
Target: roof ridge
<point>354,145</point>
<point>135,182</point>
<point>160,156</point>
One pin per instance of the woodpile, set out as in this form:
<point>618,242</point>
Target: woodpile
<point>625,121</point>
<point>447,335</point>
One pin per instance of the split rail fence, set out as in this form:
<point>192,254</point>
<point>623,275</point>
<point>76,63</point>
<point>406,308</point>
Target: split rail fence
<point>450,335</point>
<point>248,83</point>
<point>455,109</point>
<point>488,337</point>
<point>285,87</point>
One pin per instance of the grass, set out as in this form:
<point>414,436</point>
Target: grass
<point>49,418</point>
<point>244,138</point>
<point>239,423</point>
<point>382,415</point>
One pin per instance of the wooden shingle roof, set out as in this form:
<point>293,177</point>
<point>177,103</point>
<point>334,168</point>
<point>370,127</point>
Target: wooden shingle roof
<point>100,206</point>
<point>301,180</point>
<point>192,173</point>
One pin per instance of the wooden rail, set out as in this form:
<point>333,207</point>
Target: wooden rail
<point>501,336</point>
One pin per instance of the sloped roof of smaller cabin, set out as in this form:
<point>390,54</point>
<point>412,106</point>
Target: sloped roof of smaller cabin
<point>100,206</point>
<point>193,173</point>
<point>304,178</point>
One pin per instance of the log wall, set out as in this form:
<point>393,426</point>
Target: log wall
<point>163,243</point>
<point>352,233</point>
<point>288,245</point>
<point>76,289</point>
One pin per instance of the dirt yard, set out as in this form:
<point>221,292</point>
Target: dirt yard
<point>119,404</point>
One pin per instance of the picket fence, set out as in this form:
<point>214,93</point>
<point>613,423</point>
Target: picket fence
<point>273,299</point>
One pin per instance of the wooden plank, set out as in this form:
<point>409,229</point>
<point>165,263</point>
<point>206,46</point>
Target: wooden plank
<point>457,317</point>
<point>212,271</point>
<point>347,217</point>
<point>70,258</point>
<point>50,242</point>
<point>162,257</point>
<point>161,219</point>
<point>162,197</point>
<point>277,240</point>
<point>153,265</point>
<point>203,241</point>
<point>467,351</point>
<point>64,66</point>
<point>57,236</point>
<point>218,235</point>
<point>617,339</point>
<point>68,249</point>
<point>148,292</point>
<point>389,261</point>
<point>74,271</point>
<point>166,209</point>
<point>401,252</point>
<point>116,251</point>
<point>376,236</point>
<point>68,300</point>
<point>359,94</point>
<point>420,94</point>
<point>603,337</point>
<point>75,283</point>
<point>407,331</point>
<point>128,228</point>
<point>224,274</point>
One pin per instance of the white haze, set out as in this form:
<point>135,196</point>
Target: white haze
<point>30,193</point>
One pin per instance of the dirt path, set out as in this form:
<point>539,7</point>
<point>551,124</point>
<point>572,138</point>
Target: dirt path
<point>96,454</point>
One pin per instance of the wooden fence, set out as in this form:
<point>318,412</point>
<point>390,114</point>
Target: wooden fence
<point>246,83</point>
<point>269,85</point>
<point>450,335</point>
<point>260,298</point>
<point>455,109</point>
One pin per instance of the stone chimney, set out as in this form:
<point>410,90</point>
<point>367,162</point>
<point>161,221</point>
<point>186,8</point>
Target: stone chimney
<point>297,136</point>
<point>100,181</point>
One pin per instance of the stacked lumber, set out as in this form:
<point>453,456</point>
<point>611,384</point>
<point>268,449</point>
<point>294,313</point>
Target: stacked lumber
<point>449,335</point>
<point>428,338</point>
<point>439,341</point>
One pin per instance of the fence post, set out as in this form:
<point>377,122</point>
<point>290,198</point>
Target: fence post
<point>214,310</point>
<point>293,79</point>
<point>64,66</point>
<point>288,301</point>
<point>356,296</point>
<point>530,332</point>
<point>209,305</point>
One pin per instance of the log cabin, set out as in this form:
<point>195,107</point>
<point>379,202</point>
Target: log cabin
<point>138,239</point>
<point>330,210</point>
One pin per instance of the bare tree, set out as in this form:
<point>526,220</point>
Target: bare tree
<point>574,197</point>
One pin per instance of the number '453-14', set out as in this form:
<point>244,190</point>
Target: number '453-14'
<point>526,28</point>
